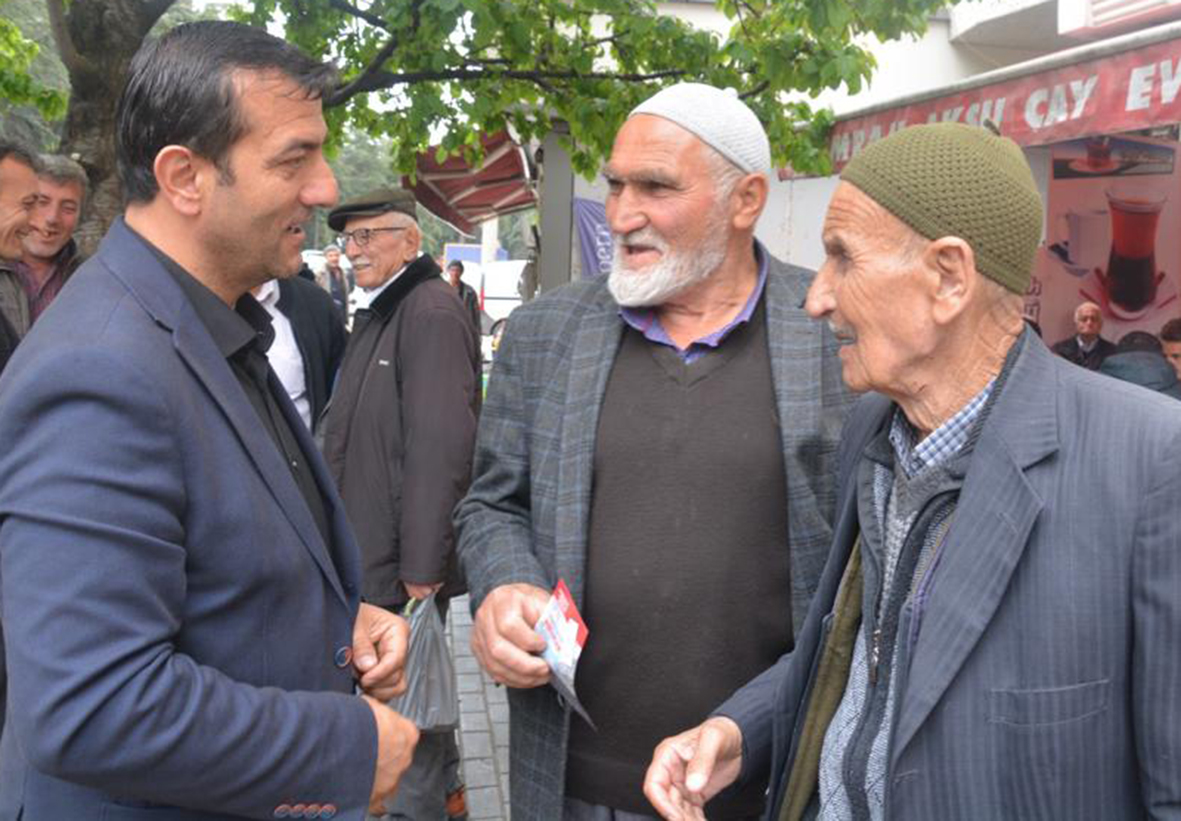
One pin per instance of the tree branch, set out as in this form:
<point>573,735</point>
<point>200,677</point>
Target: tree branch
<point>378,80</point>
<point>368,17</point>
<point>154,10</point>
<point>364,80</point>
<point>756,91</point>
<point>74,62</point>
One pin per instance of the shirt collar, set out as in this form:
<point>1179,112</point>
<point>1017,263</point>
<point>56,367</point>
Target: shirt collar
<point>268,294</point>
<point>366,296</point>
<point>943,442</point>
<point>647,322</point>
<point>232,329</point>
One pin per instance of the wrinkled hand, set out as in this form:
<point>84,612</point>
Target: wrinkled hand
<point>396,739</point>
<point>503,639</point>
<point>691,768</point>
<point>421,591</point>
<point>380,639</point>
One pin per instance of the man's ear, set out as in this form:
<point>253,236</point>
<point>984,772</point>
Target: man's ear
<point>748,198</point>
<point>182,177</point>
<point>952,264</point>
<point>414,242</point>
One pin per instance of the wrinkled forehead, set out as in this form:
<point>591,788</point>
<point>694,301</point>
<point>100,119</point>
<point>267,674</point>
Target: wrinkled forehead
<point>649,144</point>
<point>853,215</point>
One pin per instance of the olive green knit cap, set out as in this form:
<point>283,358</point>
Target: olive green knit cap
<point>956,180</point>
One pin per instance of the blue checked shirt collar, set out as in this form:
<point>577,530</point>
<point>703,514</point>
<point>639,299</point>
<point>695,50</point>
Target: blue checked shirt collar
<point>942,443</point>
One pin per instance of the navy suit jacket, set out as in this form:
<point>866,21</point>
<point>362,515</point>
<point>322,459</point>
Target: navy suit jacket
<point>176,626</point>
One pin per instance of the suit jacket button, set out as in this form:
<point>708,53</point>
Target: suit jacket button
<point>312,811</point>
<point>283,811</point>
<point>343,657</point>
<point>328,811</point>
<point>297,810</point>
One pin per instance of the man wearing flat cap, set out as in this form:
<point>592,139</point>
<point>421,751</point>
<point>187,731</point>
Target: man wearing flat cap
<point>398,437</point>
<point>663,441</point>
<point>994,634</point>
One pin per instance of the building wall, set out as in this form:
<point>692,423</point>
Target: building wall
<point>914,65</point>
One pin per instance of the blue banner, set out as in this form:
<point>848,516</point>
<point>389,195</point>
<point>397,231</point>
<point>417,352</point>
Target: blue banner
<point>594,237</point>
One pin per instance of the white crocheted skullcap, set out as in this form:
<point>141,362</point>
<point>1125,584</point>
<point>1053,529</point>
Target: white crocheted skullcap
<point>718,118</point>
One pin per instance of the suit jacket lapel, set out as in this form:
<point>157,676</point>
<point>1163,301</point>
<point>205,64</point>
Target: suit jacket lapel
<point>595,343</point>
<point>993,519</point>
<point>196,348</point>
<point>143,274</point>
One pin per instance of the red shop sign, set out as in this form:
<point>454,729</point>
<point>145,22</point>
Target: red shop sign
<point>1106,95</point>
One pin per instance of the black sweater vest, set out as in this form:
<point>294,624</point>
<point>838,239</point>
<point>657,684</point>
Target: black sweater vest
<point>687,579</point>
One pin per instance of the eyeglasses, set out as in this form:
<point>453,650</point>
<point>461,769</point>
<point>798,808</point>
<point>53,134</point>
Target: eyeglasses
<point>362,235</point>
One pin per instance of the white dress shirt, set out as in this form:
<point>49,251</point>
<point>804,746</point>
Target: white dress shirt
<point>284,355</point>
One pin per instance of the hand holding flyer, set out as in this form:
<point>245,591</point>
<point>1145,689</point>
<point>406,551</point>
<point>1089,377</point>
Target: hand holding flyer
<point>565,634</point>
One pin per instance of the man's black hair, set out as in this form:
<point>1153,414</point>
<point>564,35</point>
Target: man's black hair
<point>455,264</point>
<point>1138,341</point>
<point>180,91</point>
<point>1171,332</point>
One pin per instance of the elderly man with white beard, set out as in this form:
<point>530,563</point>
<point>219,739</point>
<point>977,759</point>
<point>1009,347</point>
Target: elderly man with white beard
<point>663,442</point>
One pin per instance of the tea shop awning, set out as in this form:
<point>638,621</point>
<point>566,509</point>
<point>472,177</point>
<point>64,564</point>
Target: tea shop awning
<point>464,195</point>
<point>1121,84</point>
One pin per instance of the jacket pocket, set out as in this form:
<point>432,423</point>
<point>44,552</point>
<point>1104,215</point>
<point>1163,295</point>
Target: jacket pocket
<point>1051,705</point>
<point>1047,750</point>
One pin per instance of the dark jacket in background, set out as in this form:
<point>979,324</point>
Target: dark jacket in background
<point>1069,350</point>
<point>400,430</point>
<point>1145,368</point>
<point>339,286</point>
<point>319,334</point>
<point>471,302</point>
<point>8,340</point>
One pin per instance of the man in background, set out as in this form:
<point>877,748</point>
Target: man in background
<point>1086,348</point>
<point>18,198</point>
<point>467,294</point>
<point>1170,337</point>
<point>50,253</point>
<point>339,283</point>
<point>309,342</point>
<point>398,438</point>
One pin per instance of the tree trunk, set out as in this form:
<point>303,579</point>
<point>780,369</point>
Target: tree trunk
<point>96,40</point>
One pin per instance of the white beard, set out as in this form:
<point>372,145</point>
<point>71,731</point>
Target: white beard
<point>673,273</point>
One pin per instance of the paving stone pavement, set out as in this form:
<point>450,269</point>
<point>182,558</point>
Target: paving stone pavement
<point>483,718</point>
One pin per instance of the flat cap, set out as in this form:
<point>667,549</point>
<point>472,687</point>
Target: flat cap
<point>381,201</point>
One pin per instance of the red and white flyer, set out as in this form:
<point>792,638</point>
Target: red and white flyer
<point>565,633</point>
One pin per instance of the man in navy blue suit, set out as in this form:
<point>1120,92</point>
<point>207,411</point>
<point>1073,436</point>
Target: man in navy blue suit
<point>179,581</point>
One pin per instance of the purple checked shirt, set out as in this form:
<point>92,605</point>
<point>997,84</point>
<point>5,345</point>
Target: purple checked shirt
<point>646,322</point>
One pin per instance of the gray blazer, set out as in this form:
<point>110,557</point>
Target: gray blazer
<point>1045,680</point>
<point>525,518</point>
